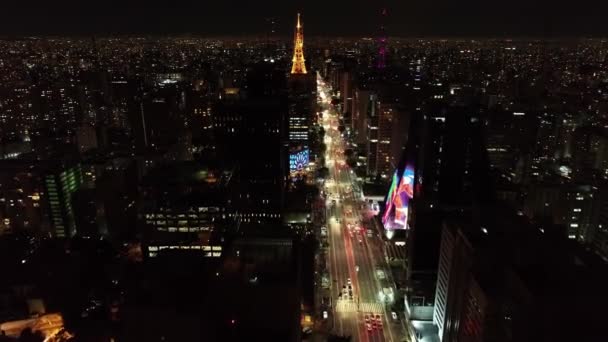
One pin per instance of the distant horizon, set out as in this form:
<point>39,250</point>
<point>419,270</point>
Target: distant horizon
<point>307,37</point>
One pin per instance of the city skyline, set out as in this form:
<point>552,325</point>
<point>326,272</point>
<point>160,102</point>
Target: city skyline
<point>264,179</point>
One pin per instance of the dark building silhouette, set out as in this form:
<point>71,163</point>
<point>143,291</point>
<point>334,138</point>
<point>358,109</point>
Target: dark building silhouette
<point>252,130</point>
<point>446,152</point>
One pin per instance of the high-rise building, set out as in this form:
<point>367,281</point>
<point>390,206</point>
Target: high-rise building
<point>386,128</point>
<point>568,206</point>
<point>509,136</point>
<point>589,154</point>
<point>253,131</point>
<point>445,156</point>
<point>187,206</point>
<point>455,260</point>
<point>61,181</point>
<point>86,138</point>
<point>361,101</point>
<point>346,93</point>
<point>89,215</point>
<point>302,99</point>
<point>498,280</point>
<point>451,164</point>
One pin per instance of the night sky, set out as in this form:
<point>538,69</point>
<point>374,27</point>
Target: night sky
<point>321,17</point>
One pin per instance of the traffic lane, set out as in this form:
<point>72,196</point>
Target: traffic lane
<point>370,250</point>
<point>372,290</point>
<point>367,276</point>
<point>354,328</point>
<point>340,214</point>
<point>345,324</point>
<point>335,274</point>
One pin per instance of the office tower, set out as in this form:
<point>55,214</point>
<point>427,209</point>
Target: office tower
<point>163,117</point>
<point>386,126</point>
<point>399,134</point>
<point>187,206</point>
<point>361,100</point>
<point>298,62</point>
<point>61,180</point>
<point>597,237</point>
<point>252,130</point>
<point>451,163</point>
<point>455,260</point>
<point>346,93</point>
<point>386,117</point>
<point>302,98</point>
<point>499,279</point>
<point>302,104</point>
<point>509,135</point>
<point>117,194</point>
<point>570,207</point>
<point>589,154</point>
<point>373,119</point>
<point>86,138</point>
<point>447,174</point>
<point>89,213</point>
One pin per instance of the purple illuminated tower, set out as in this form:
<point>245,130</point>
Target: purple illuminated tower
<point>382,40</point>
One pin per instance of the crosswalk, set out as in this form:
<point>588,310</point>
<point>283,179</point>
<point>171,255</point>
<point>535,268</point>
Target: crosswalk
<point>349,306</point>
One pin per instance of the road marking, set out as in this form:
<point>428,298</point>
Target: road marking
<point>366,307</point>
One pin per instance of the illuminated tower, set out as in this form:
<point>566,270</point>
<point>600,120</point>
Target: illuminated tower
<point>382,42</point>
<point>298,66</point>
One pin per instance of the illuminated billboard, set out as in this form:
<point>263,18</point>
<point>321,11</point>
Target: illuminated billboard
<point>397,202</point>
<point>405,192</point>
<point>298,160</point>
<point>389,201</point>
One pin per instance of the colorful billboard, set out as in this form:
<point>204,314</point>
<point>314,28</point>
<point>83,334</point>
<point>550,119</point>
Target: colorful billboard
<point>298,160</point>
<point>397,202</point>
<point>405,192</point>
<point>389,200</point>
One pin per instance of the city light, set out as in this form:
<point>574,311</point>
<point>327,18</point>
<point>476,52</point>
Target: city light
<point>206,158</point>
<point>299,160</point>
<point>397,204</point>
